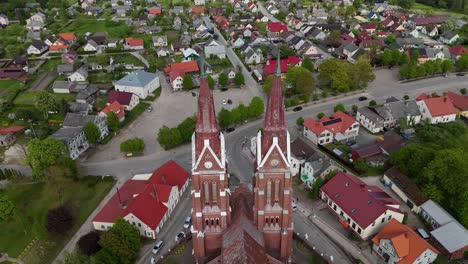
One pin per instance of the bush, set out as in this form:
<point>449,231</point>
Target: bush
<point>300,121</point>
<point>372,103</point>
<point>406,97</point>
<point>88,243</point>
<point>133,145</point>
<point>339,107</point>
<point>324,94</point>
<point>59,220</point>
<point>463,91</point>
<point>320,115</point>
<point>316,97</point>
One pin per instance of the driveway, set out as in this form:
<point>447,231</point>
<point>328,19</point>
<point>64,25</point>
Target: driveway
<point>169,109</point>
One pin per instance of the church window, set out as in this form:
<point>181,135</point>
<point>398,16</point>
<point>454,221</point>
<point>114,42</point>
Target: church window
<point>214,192</point>
<point>207,193</point>
<point>277,186</point>
<point>268,192</point>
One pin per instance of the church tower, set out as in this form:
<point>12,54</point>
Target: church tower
<point>272,179</point>
<point>210,193</point>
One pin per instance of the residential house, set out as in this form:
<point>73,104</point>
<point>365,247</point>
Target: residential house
<point>74,139</point>
<point>449,236</point>
<point>8,135</point>
<point>88,94</point>
<point>362,208</point>
<point>430,30</point>
<point>399,111</point>
<point>69,57</point>
<point>231,73</point>
<point>140,83</point>
<point>373,16</point>
<point>276,28</point>
<point>160,41</point>
<point>199,2</point>
<point>369,119</point>
<point>316,33</point>
<point>63,42</point>
<point>61,86</point>
<point>128,100</point>
<point>80,108</point>
<point>163,52</point>
<point>399,243</point>
<point>91,46</point>
<point>65,69</point>
<point>154,11</point>
<point>285,63</point>
<point>449,37</point>
<point>253,57</point>
<point>3,20</point>
<point>133,43</point>
<point>369,28</point>
<point>218,51</point>
<point>197,11</point>
<point>79,120</point>
<point>436,109</point>
<point>339,127</point>
<point>460,102</point>
<point>37,47</point>
<point>300,151</point>
<point>115,107</point>
<point>36,22</point>
<point>177,23</point>
<point>405,188</point>
<point>190,54</point>
<point>177,71</point>
<point>112,43</point>
<point>372,154</point>
<point>457,51</point>
<point>146,201</point>
<point>79,75</point>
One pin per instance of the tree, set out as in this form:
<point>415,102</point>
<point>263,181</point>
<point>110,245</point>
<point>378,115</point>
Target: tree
<point>7,209</point>
<point>357,4</point>
<point>390,39</point>
<point>224,118</point>
<point>355,108</point>
<point>372,103</point>
<point>59,220</point>
<point>211,82</point>
<point>186,128</point>
<point>223,79</point>
<point>133,145</point>
<point>165,137</point>
<point>102,59</point>
<point>339,107</point>
<point>121,241</point>
<point>45,102</point>
<point>300,121</point>
<point>239,79</point>
<point>187,82</point>
<point>43,153</point>
<point>361,165</point>
<point>334,38</point>
<point>266,87</point>
<point>446,66</point>
<point>75,258</point>
<point>301,80</point>
<point>360,73</point>
<point>406,4</point>
<point>463,91</point>
<point>406,97</point>
<point>334,73</point>
<point>113,121</point>
<point>414,55</point>
<point>320,115</point>
<point>255,108</point>
<point>462,63</point>
<point>307,63</point>
<point>88,244</point>
<point>92,132</point>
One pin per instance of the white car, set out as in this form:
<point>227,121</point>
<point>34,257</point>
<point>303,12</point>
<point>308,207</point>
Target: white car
<point>188,222</point>
<point>224,101</point>
<point>153,261</point>
<point>293,206</point>
<point>158,246</point>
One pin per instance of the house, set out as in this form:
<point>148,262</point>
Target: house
<point>338,127</point>
<point>160,41</point>
<point>65,69</point>
<point>449,37</point>
<point>449,236</point>
<point>163,52</point>
<point>218,51</point>
<point>61,86</point>
<point>316,33</point>
<point>128,100</point>
<point>231,73</point>
<point>115,107</point>
<point>37,47</point>
<point>199,2</point>
<point>91,46</point>
<point>79,120</point>
<point>398,111</point>
<point>8,135</point>
<point>74,139</point>
<point>63,42</point>
<point>300,151</point>
<point>146,201</point>
<point>430,30</point>
<point>177,23</point>
<point>140,83</point>
<point>362,208</point>
<point>457,51</point>
<point>80,108</point>
<point>36,22</point>
<point>3,20</point>
<point>370,119</point>
<point>88,94</point>
<point>460,102</point>
<point>399,243</point>
<point>436,109</point>
<point>69,57</point>
<point>373,16</point>
<point>177,71</point>
<point>112,43</point>
<point>198,11</point>
<point>405,188</point>
<point>190,54</point>
<point>253,57</point>
<point>285,63</point>
<point>79,75</point>
<point>133,43</point>
<point>276,27</point>
<point>154,11</point>
<point>369,28</point>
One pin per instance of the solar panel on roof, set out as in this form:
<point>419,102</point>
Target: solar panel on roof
<point>331,122</point>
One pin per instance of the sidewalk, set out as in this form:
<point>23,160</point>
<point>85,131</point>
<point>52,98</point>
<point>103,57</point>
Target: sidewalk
<point>338,238</point>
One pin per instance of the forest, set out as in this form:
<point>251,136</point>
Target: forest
<point>456,5</point>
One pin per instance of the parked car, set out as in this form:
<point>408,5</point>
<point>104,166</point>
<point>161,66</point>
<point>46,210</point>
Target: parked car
<point>157,247</point>
<point>194,94</point>
<point>229,130</point>
<point>461,74</point>
<point>362,98</point>
<point>229,101</point>
<point>350,143</point>
<point>180,236</point>
<point>224,101</point>
<point>153,261</point>
<point>188,222</point>
<point>297,109</point>
<point>293,206</point>
<point>224,89</point>
<point>149,109</point>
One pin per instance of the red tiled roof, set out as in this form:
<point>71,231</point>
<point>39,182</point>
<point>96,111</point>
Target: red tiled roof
<point>459,101</point>
<point>12,129</point>
<point>345,121</point>
<point>67,36</point>
<point>440,106</point>
<point>134,42</point>
<point>270,66</point>
<point>198,9</point>
<point>458,50</point>
<point>364,36</point>
<point>422,96</point>
<point>115,107</point>
<point>185,66</point>
<point>123,98</point>
<point>368,26</point>
<point>174,74</point>
<point>276,27</point>
<point>347,37</point>
<point>170,173</point>
<point>386,22</point>
<point>251,4</point>
<point>407,244</point>
<point>154,11</point>
<point>363,203</point>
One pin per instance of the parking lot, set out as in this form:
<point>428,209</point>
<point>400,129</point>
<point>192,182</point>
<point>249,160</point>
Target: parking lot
<point>169,109</point>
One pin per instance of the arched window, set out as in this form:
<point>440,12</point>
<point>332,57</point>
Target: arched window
<point>268,192</point>
<point>214,192</point>
<point>207,222</point>
<point>277,219</point>
<point>277,186</point>
<point>217,221</point>
<point>212,221</point>
<point>207,192</point>
<point>271,220</point>
<point>266,220</point>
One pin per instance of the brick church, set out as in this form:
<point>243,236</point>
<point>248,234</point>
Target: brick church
<point>241,227</point>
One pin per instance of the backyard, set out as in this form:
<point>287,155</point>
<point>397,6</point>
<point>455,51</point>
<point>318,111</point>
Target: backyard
<point>29,98</point>
<point>426,8</point>
<point>81,26</point>
<point>32,201</point>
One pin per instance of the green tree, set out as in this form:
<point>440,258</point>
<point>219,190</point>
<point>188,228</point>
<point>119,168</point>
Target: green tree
<point>334,38</point>
<point>165,137</point>
<point>462,62</point>
<point>239,79</point>
<point>307,63</point>
<point>132,145</point>
<point>361,165</point>
<point>113,121</point>
<point>463,91</point>
<point>355,108</point>
<point>447,65</point>
<point>223,79</point>
<point>360,73</point>
<point>339,107</point>
<point>45,102</point>
<point>75,258</point>
<point>372,103</point>
<point>121,241</point>
<point>334,73</point>
<point>211,82</point>
<point>300,121</point>
<point>102,59</point>
<point>92,132</point>
<point>406,97</point>
<point>224,118</point>
<point>406,4</point>
<point>320,115</point>
<point>187,82</point>
<point>186,128</point>
<point>415,55</point>
<point>266,87</point>
<point>301,80</point>
<point>255,108</point>
<point>7,209</point>
<point>357,4</point>
<point>390,39</point>
<point>42,154</point>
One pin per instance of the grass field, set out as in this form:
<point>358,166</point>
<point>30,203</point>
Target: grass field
<point>9,84</point>
<point>29,98</point>
<point>426,8</point>
<point>49,65</point>
<point>32,202</point>
<point>81,26</point>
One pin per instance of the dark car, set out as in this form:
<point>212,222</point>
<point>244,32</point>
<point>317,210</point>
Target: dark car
<point>224,89</point>
<point>350,143</point>
<point>362,98</point>
<point>229,130</point>
<point>460,74</point>
<point>297,109</point>
<point>180,236</point>
<point>194,94</point>
<point>229,101</point>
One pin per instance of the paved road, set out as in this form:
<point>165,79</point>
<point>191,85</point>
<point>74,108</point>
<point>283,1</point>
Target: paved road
<point>249,80</point>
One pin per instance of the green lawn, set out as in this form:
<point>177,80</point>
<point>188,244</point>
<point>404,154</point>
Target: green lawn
<point>426,8</point>
<point>29,98</point>
<point>32,203</point>
<point>81,26</point>
<point>49,65</point>
<point>9,84</point>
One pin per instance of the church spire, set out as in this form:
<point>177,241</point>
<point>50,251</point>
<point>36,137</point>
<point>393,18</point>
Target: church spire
<point>274,124</point>
<point>206,127</point>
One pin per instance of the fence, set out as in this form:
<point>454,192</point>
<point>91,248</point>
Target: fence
<point>348,164</point>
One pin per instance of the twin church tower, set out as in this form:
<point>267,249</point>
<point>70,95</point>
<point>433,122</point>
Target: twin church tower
<point>267,227</point>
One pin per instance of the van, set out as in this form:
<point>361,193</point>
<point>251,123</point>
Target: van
<point>158,246</point>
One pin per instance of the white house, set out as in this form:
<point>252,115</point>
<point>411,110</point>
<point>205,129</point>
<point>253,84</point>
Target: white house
<point>176,77</point>
<point>79,75</point>
<point>37,47</point>
<point>436,109</point>
<point>159,41</point>
<point>338,127</point>
<point>128,100</point>
<point>140,83</point>
<point>218,51</point>
<point>253,57</point>
<point>91,46</point>
<point>199,2</point>
<point>449,37</point>
<point>146,201</point>
<point>370,119</point>
<point>3,20</point>
<point>35,22</point>
<point>371,208</point>
<point>74,139</point>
